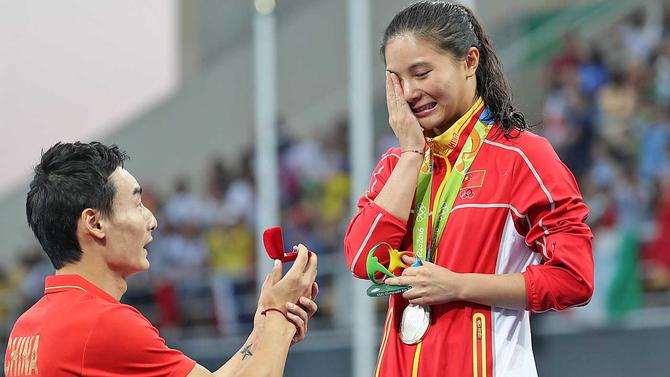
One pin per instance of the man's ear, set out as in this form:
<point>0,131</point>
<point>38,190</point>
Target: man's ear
<point>91,221</point>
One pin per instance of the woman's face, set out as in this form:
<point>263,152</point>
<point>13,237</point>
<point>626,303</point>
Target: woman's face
<point>438,87</point>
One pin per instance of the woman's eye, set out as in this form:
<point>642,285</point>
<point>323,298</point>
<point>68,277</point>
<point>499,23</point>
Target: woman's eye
<point>422,74</point>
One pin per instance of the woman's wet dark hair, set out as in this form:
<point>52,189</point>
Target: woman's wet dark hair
<point>453,28</point>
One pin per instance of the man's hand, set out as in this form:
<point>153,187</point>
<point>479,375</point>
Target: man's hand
<point>293,294</point>
<point>298,314</point>
<point>264,353</point>
<point>301,313</point>
<point>297,282</point>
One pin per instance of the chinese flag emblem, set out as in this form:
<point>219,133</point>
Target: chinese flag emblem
<point>473,179</point>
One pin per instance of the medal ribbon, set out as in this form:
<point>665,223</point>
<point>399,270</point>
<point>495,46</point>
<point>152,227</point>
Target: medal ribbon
<point>477,129</point>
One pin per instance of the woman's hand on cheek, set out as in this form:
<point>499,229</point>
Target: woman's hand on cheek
<point>401,118</point>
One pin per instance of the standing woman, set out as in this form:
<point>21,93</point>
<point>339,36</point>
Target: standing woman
<point>496,217</point>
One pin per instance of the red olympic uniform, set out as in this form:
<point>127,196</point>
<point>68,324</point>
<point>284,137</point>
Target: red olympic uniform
<point>77,329</point>
<point>518,210</point>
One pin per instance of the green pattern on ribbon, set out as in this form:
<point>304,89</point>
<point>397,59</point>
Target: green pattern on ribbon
<point>446,196</point>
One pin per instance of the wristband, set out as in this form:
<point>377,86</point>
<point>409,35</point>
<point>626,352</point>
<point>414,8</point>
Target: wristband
<point>413,151</point>
<point>275,310</point>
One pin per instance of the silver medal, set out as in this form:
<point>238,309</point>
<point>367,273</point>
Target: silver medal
<point>414,323</point>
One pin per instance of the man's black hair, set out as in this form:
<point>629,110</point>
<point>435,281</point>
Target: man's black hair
<point>70,178</point>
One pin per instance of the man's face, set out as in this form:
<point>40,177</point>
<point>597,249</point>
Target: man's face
<point>129,228</point>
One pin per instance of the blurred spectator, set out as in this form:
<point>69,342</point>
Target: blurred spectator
<point>617,102</point>
<point>179,254</point>
<point>240,198</point>
<point>186,211</point>
<point>657,256</point>
<point>654,143</point>
<point>217,180</point>
<point>231,261</point>
<point>593,73</point>
<point>640,35</point>
<point>568,58</point>
<point>36,267</point>
<point>662,73</point>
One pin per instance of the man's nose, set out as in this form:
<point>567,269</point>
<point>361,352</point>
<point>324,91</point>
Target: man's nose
<point>153,223</point>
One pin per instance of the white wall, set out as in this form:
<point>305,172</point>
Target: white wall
<point>78,69</point>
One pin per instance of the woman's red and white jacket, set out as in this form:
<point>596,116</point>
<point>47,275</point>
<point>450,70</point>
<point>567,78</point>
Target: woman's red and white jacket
<point>518,210</point>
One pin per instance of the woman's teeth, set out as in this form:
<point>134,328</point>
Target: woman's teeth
<point>425,107</point>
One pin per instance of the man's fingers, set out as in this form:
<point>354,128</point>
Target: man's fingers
<point>300,263</point>
<point>315,290</point>
<point>297,310</point>
<point>310,269</point>
<point>299,327</point>
<point>299,317</point>
<point>275,274</point>
<point>308,305</point>
<point>305,266</point>
<point>265,282</point>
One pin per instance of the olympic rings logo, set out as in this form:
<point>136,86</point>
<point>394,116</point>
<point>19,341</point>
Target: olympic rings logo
<point>421,213</point>
<point>467,194</point>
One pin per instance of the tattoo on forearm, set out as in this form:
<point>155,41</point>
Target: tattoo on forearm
<point>246,351</point>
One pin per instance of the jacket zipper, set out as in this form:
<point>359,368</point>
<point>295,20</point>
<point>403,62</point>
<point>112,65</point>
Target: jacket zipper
<point>479,345</point>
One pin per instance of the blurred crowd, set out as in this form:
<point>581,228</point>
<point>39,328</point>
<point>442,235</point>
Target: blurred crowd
<point>203,254</point>
<point>607,114</point>
<point>606,111</point>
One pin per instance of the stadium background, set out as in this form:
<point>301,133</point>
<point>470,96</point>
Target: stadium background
<point>173,83</point>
